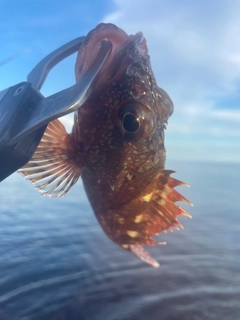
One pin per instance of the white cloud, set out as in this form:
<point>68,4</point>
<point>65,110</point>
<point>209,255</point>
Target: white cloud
<point>194,47</point>
<point>229,115</point>
<point>67,122</point>
<point>195,54</point>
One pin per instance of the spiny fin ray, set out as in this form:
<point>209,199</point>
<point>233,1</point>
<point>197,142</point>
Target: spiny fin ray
<point>141,253</point>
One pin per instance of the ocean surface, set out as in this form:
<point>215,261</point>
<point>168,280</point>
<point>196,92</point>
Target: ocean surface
<point>57,263</point>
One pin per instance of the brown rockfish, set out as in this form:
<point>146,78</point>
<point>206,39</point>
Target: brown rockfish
<point>116,145</point>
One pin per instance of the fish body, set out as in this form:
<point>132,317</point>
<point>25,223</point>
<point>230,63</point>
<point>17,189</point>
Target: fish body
<point>116,146</point>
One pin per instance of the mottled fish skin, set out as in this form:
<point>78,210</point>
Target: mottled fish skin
<point>117,145</point>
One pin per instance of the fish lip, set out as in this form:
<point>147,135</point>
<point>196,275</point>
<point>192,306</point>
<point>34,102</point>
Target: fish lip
<point>126,50</point>
<point>91,45</point>
<point>138,38</point>
<point>134,47</point>
<point>132,42</point>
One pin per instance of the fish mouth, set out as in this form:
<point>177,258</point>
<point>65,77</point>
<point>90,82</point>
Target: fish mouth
<point>92,43</point>
<point>125,50</point>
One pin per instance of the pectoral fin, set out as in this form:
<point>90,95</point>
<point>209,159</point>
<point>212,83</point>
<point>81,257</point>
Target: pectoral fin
<point>56,164</point>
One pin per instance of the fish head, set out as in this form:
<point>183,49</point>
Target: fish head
<point>122,124</point>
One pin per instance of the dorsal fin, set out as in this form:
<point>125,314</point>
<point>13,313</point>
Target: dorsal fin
<point>56,164</point>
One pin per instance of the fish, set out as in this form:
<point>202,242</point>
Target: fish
<point>116,146</point>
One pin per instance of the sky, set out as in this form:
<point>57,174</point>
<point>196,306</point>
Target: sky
<point>195,54</point>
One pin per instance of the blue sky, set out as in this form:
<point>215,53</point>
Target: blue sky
<point>194,48</point>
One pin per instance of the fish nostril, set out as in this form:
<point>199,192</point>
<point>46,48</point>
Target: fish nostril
<point>81,146</point>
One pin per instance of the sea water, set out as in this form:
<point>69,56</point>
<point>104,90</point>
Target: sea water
<point>57,263</point>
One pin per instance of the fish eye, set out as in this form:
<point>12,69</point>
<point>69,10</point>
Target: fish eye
<point>134,120</point>
<point>131,122</point>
